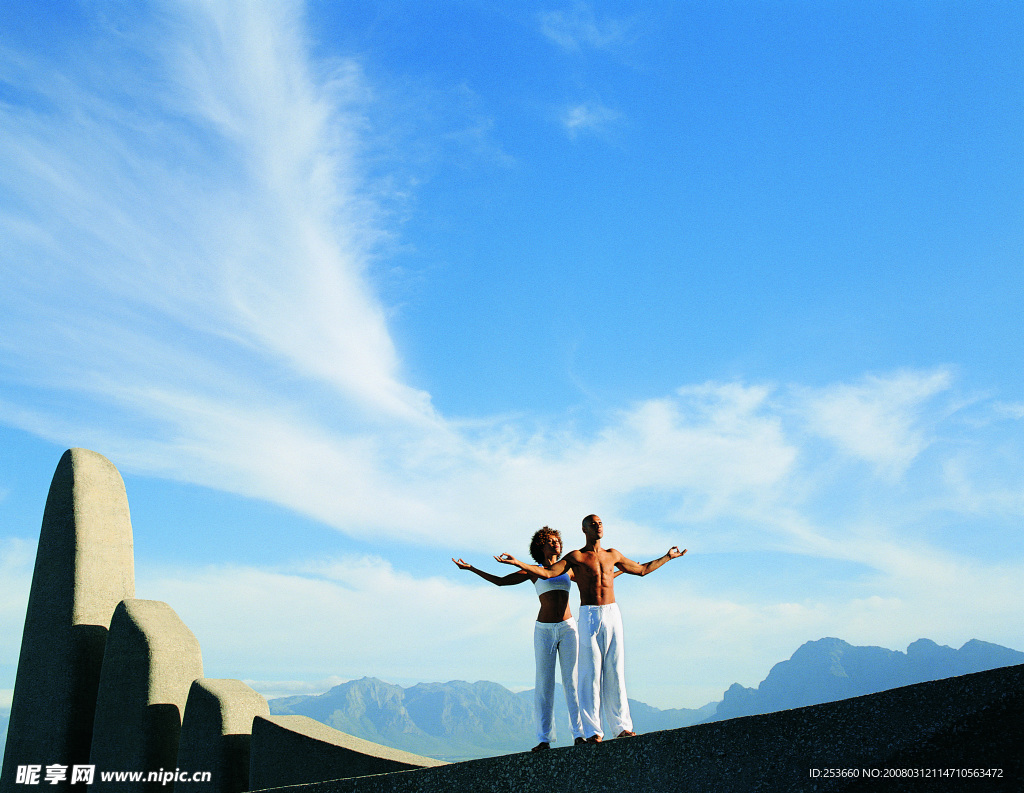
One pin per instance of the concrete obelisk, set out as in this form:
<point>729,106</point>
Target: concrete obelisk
<point>149,665</point>
<point>84,568</point>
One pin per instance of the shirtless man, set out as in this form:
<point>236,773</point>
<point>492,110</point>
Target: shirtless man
<point>602,679</point>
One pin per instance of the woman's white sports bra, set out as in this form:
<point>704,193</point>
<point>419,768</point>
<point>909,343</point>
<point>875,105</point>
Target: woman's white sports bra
<point>558,583</point>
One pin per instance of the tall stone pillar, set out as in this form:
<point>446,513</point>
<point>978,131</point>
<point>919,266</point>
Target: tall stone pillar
<point>150,662</point>
<point>84,568</point>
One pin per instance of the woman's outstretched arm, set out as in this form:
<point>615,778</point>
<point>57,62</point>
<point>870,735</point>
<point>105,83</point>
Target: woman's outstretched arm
<point>506,580</point>
<point>555,570</point>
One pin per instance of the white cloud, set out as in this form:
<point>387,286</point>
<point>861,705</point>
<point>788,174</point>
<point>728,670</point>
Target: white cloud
<point>202,313</point>
<point>1014,410</point>
<point>272,689</point>
<point>355,616</point>
<point>221,210</point>
<point>880,419</point>
<point>687,644</point>
<point>359,616</point>
<point>17,559</point>
<point>986,482</point>
<point>587,117</point>
<point>351,617</point>
<point>580,28</point>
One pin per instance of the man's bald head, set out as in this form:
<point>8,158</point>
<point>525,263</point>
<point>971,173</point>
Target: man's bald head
<point>592,528</point>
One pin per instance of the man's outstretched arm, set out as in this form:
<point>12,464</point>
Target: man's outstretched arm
<point>635,568</point>
<point>506,580</point>
<point>556,569</point>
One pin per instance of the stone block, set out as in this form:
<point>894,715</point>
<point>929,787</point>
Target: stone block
<point>84,568</point>
<point>216,732</point>
<point>150,662</point>
<point>292,750</point>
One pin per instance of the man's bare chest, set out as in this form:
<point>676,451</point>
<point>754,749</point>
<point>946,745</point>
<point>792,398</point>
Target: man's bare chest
<point>596,564</point>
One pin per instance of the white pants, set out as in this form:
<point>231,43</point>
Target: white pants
<point>602,671</point>
<point>551,639</point>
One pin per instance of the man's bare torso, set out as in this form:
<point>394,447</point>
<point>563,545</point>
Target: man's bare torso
<point>594,571</point>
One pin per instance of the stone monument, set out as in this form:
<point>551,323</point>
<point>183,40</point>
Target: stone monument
<point>84,568</point>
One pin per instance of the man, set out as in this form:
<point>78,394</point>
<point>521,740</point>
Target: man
<point>602,680</point>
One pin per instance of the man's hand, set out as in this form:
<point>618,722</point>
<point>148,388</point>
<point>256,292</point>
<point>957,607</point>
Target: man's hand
<point>463,565</point>
<point>631,567</point>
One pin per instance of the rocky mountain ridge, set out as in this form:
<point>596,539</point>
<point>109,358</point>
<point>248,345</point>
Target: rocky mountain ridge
<point>459,720</point>
<point>454,720</point>
<point>830,669</point>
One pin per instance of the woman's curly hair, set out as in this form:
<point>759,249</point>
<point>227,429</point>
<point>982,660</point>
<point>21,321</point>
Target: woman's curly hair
<point>537,542</point>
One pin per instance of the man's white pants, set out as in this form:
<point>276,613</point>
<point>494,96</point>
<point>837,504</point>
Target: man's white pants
<point>552,639</point>
<point>602,671</point>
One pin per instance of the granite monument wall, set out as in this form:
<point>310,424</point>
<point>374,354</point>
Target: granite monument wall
<point>116,683</point>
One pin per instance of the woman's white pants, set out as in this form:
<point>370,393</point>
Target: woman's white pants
<point>551,640</point>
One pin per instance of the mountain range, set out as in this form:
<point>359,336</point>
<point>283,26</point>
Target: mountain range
<point>830,669</point>
<point>454,720</point>
<point>459,720</point>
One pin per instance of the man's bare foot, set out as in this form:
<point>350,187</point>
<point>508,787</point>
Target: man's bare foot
<point>626,734</point>
<point>579,740</point>
<point>594,739</point>
<point>541,747</point>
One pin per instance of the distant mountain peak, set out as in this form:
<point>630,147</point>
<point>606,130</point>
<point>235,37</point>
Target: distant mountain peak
<point>830,669</point>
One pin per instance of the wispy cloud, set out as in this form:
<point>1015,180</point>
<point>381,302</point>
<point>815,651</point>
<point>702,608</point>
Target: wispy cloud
<point>587,117</point>
<point>205,224</point>
<point>217,328</point>
<point>352,615</point>
<point>880,419</point>
<point>288,688</point>
<point>327,616</point>
<point>580,28</point>
<point>16,564</point>
<point>1010,409</point>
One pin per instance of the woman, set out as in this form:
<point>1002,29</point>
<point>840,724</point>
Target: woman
<point>554,634</point>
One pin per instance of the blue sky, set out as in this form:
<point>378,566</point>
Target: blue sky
<point>347,289</point>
